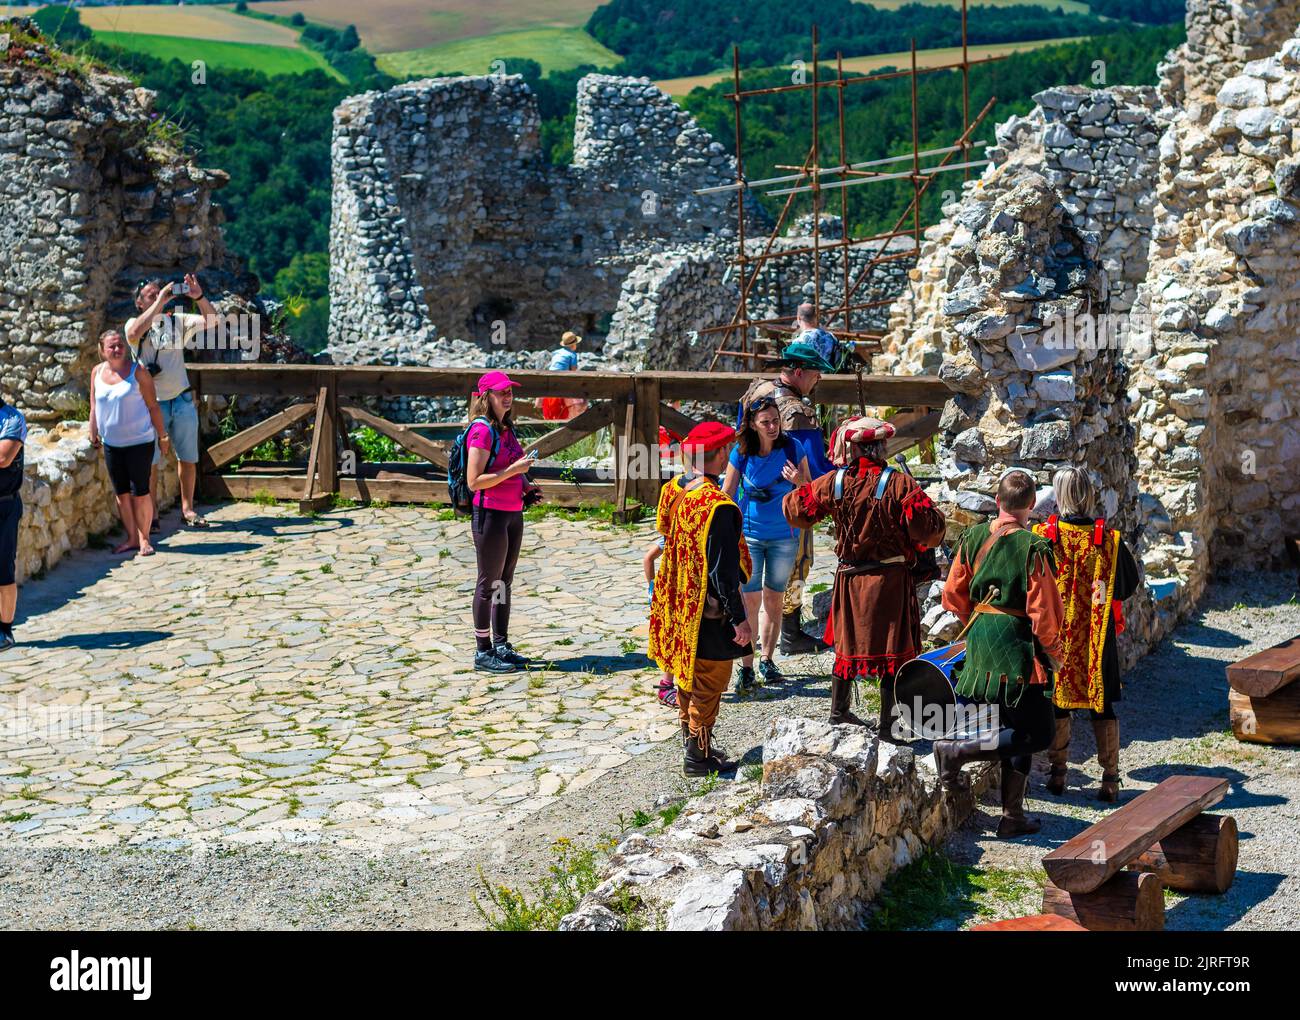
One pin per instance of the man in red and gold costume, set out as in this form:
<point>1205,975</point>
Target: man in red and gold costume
<point>883,522</point>
<point>697,614</point>
<point>1096,572</point>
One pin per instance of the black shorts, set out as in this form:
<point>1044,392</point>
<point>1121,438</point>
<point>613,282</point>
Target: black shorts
<point>10,512</point>
<point>129,467</point>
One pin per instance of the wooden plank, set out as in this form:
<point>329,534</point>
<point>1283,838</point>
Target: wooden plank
<point>724,387</point>
<point>222,453</point>
<point>1271,720</point>
<point>1131,901</point>
<point>390,486</point>
<point>1261,674</point>
<point>912,428</point>
<point>1083,863</point>
<point>674,421</point>
<point>1034,922</point>
<point>593,419</point>
<point>433,452</point>
<point>1199,857</point>
<point>643,448</point>
<point>328,427</point>
<point>317,442</point>
<point>621,458</point>
<point>279,487</point>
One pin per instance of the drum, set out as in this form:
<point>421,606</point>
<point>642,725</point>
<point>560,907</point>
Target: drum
<point>925,696</point>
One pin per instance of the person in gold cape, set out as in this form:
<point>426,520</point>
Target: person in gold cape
<point>697,614</point>
<point>1096,572</point>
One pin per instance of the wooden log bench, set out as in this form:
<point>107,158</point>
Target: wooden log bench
<point>1264,700</point>
<point>1161,838</point>
<point>1034,922</point>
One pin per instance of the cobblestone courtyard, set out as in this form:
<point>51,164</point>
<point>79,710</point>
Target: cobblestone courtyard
<point>282,678</point>
<point>281,729</point>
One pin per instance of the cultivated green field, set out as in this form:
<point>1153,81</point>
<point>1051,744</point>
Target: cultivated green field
<point>556,49</point>
<point>1069,6</point>
<point>252,56</point>
<point>867,65</point>
<point>193,22</point>
<point>391,26</point>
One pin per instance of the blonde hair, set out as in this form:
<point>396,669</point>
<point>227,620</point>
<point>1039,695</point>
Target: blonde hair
<point>1074,492</point>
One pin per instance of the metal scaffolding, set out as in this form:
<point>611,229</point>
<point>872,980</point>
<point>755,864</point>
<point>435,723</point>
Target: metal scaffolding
<point>740,337</point>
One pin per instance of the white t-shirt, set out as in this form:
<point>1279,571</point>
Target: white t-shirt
<point>165,342</point>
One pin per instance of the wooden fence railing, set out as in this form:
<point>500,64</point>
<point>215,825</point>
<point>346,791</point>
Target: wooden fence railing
<point>633,404</point>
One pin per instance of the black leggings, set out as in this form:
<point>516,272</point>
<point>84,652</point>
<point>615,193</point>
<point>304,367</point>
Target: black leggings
<point>1027,727</point>
<point>497,534</point>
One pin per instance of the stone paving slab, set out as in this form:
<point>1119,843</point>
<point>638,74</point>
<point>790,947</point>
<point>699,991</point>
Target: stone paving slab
<point>283,679</point>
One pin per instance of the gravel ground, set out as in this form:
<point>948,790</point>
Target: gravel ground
<point>1173,719</point>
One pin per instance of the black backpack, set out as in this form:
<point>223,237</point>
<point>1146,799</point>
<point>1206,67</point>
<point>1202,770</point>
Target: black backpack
<point>462,499</point>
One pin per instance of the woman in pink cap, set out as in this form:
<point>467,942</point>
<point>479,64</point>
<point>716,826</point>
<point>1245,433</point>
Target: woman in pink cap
<point>495,471</point>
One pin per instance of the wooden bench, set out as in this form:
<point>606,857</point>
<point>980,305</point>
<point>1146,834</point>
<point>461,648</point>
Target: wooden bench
<point>1264,702</point>
<point>1034,922</point>
<point>1161,838</point>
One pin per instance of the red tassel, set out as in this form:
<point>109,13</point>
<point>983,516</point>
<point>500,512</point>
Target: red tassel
<point>1098,531</point>
<point>1117,611</point>
<point>1052,531</point>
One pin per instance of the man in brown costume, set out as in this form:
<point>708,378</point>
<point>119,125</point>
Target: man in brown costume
<point>884,521</point>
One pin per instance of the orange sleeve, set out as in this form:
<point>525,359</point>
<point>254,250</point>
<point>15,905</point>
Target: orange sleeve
<point>1046,611</point>
<point>956,590</point>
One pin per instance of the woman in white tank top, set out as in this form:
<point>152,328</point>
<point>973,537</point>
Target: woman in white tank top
<point>125,417</point>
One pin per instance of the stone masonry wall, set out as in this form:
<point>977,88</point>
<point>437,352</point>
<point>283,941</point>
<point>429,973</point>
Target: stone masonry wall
<point>90,201</point>
<point>1182,199</point>
<point>449,221</point>
<point>836,814</point>
<point>1216,400</point>
<point>666,301</point>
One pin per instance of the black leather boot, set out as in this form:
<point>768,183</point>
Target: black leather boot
<point>793,639</point>
<point>1014,820</point>
<point>1058,756</point>
<point>951,755</point>
<point>841,700</point>
<point>887,720</point>
<point>700,762</point>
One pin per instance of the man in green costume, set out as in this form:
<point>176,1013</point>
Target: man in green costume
<point>1004,576</point>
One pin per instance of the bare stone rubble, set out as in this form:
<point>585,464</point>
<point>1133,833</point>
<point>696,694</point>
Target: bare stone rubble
<point>837,813</point>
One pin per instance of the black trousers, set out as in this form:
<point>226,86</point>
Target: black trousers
<point>1028,725</point>
<point>497,536</point>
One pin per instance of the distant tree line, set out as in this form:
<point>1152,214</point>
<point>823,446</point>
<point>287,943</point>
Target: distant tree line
<point>673,38</point>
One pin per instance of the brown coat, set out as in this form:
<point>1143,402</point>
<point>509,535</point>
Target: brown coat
<point>875,620</point>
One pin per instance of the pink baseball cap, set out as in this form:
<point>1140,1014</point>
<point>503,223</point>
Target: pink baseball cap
<point>495,380</point>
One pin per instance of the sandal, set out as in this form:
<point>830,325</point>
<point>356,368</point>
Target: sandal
<point>196,520</point>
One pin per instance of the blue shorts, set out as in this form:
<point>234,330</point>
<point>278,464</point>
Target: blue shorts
<point>773,562</point>
<point>181,422</point>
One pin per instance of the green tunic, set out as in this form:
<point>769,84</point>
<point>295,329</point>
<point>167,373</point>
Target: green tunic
<point>998,645</point>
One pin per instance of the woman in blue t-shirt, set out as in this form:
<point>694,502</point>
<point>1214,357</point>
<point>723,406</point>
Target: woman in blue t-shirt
<point>765,465</point>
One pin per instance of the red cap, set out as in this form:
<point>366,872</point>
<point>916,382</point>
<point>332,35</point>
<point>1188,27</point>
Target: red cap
<point>708,436</point>
<point>494,380</point>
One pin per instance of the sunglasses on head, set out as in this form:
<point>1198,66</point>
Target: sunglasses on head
<point>762,404</point>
